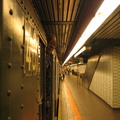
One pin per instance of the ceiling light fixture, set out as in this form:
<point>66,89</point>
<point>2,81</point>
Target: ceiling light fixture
<point>107,7</point>
<point>80,51</point>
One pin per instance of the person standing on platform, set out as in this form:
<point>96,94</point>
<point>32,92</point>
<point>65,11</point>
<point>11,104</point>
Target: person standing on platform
<point>51,44</point>
<point>63,74</point>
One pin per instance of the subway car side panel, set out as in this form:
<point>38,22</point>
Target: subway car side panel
<point>19,83</point>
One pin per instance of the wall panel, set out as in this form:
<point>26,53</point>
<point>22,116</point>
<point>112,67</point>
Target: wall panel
<point>116,77</point>
<point>102,82</point>
<point>106,80</point>
<point>19,93</point>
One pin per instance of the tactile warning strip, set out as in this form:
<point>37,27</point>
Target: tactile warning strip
<point>68,109</point>
<point>75,110</point>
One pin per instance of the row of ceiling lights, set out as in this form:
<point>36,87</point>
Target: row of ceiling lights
<point>107,7</point>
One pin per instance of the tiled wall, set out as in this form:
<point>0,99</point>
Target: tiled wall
<point>116,77</point>
<point>81,68</point>
<point>103,78</point>
<point>106,79</point>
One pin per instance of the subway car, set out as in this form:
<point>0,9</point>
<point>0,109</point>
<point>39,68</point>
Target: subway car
<point>93,53</point>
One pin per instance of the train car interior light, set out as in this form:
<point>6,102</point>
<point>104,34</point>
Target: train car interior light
<point>106,8</point>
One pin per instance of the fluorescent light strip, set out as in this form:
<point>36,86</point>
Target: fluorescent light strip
<point>80,51</point>
<point>107,7</point>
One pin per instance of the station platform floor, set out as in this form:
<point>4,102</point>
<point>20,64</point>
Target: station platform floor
<point>79,103</point>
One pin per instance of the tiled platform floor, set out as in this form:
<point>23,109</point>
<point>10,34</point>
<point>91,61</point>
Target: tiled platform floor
<point>65,107</point>
<point>89,106</point>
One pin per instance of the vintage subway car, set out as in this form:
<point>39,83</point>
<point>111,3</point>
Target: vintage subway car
<point>22,64</point>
